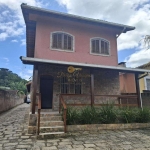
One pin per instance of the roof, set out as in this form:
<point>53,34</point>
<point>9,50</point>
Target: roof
<point>144,65</point>
<point>31,25</point>
<point>29,60</point>
<point>44,11</point>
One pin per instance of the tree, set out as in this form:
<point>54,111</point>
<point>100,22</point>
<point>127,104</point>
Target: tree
<point>147,41</point>
<point>11,80</point>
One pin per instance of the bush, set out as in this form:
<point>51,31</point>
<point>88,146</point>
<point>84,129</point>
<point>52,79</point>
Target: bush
<point>128,115</point>
<point>72,116</point>
<point>89,115</point>
<point>143,115</point>
<point>107,114</point>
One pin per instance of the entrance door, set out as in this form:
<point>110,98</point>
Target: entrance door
<point>46,90</point>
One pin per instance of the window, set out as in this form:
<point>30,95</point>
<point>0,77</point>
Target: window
<point>148,83</point>
<point>99,46</point>
<point>62,41</point>
<point>69,87</point>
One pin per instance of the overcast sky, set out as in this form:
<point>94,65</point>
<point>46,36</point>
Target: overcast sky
<point>129,12</point>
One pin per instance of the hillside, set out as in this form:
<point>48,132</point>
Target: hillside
<point>10,80</point>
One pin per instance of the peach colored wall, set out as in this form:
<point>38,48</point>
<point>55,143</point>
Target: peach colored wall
<point>127,83</point>
<point>82,34</point>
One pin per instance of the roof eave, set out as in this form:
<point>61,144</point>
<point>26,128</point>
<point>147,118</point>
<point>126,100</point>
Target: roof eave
<point>37,9</point>
<point>28,60</point>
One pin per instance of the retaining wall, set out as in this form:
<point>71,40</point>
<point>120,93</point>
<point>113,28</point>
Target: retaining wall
<point>9,99</point>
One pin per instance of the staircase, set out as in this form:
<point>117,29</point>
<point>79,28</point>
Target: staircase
<point>51,124</point>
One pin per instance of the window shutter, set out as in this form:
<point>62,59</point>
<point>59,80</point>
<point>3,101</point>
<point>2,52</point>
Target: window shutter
<point>99,46</point>
<point>70,43</point>
<point>62,41</point>
<point>65,41</point>
<point>106,48</point>
<point>59,41</point>
<point>102,47</point>
<point>93,46</point>
<point>54,44</point>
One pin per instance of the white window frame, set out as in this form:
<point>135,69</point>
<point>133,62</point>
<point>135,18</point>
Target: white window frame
<point>99,38</point>
<point>64,50</point>
<point>145,83</point>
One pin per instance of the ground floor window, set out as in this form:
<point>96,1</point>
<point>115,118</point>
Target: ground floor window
<point>69,87</point>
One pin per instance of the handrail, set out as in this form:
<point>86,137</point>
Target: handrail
<point>39,112</point>
<point>62,103</point>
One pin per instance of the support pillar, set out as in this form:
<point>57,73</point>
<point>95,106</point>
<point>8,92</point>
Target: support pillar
<point>92,88</point>
<point>34,88</point>
<point>138,90</point>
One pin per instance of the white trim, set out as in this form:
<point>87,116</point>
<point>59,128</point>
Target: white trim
<point>63,50</point>
<point>99,38</point>
<point>145,83</point>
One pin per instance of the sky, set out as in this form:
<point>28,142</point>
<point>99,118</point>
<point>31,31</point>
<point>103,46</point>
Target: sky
<point>131,48</point>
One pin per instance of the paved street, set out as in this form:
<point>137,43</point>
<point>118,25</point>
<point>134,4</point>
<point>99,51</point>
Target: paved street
<point>13,136</point>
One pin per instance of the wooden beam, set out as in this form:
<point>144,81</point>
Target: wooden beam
<point>138,90</point>
<point>92,88</point>
<point>34,87</point>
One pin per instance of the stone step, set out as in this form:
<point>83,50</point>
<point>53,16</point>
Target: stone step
<point>51,123</point>
<point>51,118</point>
<point>49,114</point>
<point>49,133</point>
<point>51,129</point>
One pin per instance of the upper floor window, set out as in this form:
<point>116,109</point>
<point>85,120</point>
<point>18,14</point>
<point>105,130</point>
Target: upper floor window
<point>62,41</point>
<point>100,46</point>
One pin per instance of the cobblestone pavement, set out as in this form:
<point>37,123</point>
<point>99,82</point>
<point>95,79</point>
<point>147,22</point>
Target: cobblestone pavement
<point>13,136</point>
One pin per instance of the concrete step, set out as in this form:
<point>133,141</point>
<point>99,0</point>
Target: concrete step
<point>51,129</point>
<point>51,123</point>
<point>51,133</point>
<point>49,114</point>
<point>51,118</point>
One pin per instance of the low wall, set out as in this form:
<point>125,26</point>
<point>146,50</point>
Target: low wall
<point>97,127</point>
<point>9,99</point>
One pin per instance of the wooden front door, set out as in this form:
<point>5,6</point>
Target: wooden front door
<point>46,90</point>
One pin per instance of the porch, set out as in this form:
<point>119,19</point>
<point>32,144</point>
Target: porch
<point>99,85</point>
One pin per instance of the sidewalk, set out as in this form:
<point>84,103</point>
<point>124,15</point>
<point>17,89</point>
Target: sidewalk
<point>14,137</point>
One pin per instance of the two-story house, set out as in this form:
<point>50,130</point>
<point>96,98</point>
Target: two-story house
<point>75,56</point>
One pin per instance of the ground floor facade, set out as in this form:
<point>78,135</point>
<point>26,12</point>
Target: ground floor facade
<point>56,80</point>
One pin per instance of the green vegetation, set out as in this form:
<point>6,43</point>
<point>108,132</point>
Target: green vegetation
<point>10,80</point>
<point>106,115</point>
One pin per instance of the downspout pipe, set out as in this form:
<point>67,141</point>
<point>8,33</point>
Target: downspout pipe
<point>121,32</point>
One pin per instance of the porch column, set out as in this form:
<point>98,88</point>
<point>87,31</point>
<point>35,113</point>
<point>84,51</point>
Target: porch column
<point>92,88</point>
<point>137,90</point>
<point>34,88</point>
